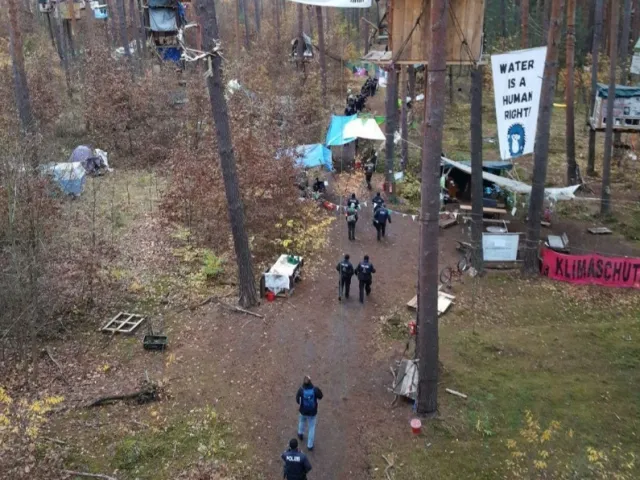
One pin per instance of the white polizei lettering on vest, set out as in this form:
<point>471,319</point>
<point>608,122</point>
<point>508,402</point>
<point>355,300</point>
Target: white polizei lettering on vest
<point>291,458</point>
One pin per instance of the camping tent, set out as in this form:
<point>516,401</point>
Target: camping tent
<point>366,128</point>
<point>335,135</point>
<point>310,156</point>
<point>69,176</point>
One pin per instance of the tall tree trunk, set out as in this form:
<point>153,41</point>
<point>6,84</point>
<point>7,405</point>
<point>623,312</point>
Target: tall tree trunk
<point>605,206</point>
<point>133,18</point>
<point>624,70</point>
<point>595,53</point>
<point>245,15</point>
<point>404,119</point>
<point>300,19</point>
<point>435,94</point>
<point>391,126</point>
<point>541,150</point>
<point>256,6</point>
<point>215,85</point>
<point>20,85</point>
<point>122,28</point>
<point>546,19</point>
<point>525,23</point>
<point>365,31</point>
<point>476,167</point>
<point>411,72</point>
<point>277,11</point>
<point>503,19</point>
<point>323,60</point>
<point>237,28</point>
<point>572,167</point>
<point>311,20</point>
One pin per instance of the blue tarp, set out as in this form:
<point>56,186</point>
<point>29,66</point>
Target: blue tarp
<point>162,3</point>
<point>336,126</point>
<point>170,53</point>
<point>70,177</point>
<point>310,156</point>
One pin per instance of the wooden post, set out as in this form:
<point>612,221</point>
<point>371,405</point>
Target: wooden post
<point>435,97</point>
<point>541,151</point>
<point>476,167</point>
<point>605,197</point>
<point>404,120</point>
<point>572,173</point>
<point>595,52</point>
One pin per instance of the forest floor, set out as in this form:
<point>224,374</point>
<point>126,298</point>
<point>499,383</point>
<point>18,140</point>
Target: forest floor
<point>510,344</point>
<point>229,380</point>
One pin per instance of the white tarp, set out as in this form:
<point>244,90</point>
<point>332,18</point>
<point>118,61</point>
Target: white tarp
<point>337,3</point>
<point>564,193</point>
<point>363,128</point>
<point>517,80</point>
<point>279,276</point>
<point>635,62</point>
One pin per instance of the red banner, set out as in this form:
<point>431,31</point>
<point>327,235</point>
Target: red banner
<point>595,269</point>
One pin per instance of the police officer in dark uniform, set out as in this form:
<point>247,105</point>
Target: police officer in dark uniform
<point>377,201</point>
<point>365,271</point>
<point>380,219</point>
<point>345,270</point>
<point>296,463</point>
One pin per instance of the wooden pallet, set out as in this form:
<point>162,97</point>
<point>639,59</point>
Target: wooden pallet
<point>123,323</point>
<point>444,302</point>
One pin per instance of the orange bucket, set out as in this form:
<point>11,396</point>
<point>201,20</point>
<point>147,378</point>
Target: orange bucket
<point>270,296</point>
<point>416,426</point>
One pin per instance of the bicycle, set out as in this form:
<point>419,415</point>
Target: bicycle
<point>447,274</point>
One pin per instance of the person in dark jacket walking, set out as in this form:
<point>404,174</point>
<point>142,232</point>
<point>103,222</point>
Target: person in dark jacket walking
<point>365,271</point>
<point>345,270</point>
<point>380,219</point>
<point>369,168</point>
<point>307,397</point>
<point>352,218</point>
<point>377,201</point>
<point>353,202</point>
<point>296,463</point>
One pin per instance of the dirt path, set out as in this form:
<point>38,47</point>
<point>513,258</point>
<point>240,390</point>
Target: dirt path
<point>310,333</point>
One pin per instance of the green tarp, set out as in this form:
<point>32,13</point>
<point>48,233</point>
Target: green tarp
<point>621,91</point>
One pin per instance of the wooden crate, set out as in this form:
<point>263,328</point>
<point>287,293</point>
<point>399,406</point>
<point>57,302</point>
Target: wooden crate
<point>465,21</point>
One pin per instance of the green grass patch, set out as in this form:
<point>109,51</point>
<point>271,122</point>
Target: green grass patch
<point>163,450</point>
<point>567,355</point>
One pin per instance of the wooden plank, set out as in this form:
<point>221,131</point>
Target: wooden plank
<point>599,231</point>
<point>499,211</point>
<point>446,223</point>
<point>413,303</point>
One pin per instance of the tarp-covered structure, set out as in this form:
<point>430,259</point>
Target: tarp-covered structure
<point>621,91</point>
<point>366,128</point>
<point>345,129</point>
<point>69,176</point>
<point>335,136</point>
<point>564,193</point>
<point>310,156</point>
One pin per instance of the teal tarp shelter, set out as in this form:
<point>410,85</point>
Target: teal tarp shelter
<point>336,126</point>
<point>310,156</point>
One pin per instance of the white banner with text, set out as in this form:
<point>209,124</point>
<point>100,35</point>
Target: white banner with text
<point>517,81</point>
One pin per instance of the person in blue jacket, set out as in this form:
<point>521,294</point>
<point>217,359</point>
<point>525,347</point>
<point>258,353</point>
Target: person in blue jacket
<point>296,463</point>
<point>365,271</point>
<point>307,397</point>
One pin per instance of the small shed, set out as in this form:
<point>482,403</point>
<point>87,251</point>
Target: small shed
<point>626,108</point>
<point>407,42</point>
